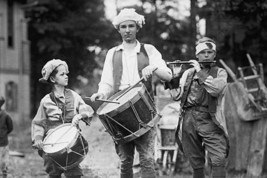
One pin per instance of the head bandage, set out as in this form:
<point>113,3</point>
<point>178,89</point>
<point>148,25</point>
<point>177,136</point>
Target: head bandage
<point>205,45</point>
<point>49,67</point>
<point>128,14</point>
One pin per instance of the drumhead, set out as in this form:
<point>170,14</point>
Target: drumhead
<point>108,107</point>
<point>61,137</point>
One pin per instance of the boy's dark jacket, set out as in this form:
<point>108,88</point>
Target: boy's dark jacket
<point>6,126</point>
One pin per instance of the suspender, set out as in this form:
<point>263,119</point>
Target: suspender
<point>184,97</point>
<point>213,100</point>
<point>117,69</point>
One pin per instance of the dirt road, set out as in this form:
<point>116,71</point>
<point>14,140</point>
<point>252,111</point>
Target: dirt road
<point>100,162</point>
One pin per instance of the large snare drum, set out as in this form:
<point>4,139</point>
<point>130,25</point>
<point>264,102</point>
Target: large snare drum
<point>65,146</point>
<point>132,117</point>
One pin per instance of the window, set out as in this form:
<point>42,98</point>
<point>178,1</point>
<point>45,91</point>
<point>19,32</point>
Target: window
<point>10,23</point>
<point>11,96</point>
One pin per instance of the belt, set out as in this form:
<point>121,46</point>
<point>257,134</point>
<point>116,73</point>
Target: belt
<point>197,108</point>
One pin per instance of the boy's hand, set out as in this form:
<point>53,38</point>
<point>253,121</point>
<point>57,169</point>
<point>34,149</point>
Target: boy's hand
<point>76,119</point>
<point>195,64</point>
<point>38,144</point>
<point>96,96</point>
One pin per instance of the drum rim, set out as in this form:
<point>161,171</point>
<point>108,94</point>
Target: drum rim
<point>167,127</point>
<point>68,145</point>
<point>123,107</point>
<point>80,159</point>
<point>141,131</point>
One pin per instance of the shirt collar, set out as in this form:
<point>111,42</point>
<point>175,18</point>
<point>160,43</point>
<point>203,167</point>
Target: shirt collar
<point>136,48</point>
<point>59,95</point>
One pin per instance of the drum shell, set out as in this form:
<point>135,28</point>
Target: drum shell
<point>139,107</point>
<point>79,146</point>
<point>72,154</point>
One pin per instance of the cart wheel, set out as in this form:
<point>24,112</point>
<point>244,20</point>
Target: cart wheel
<point>167,163</point>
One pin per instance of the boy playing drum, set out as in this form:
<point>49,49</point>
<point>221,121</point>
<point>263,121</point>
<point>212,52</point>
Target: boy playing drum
<point>124,66</point>
<point>60,106</point>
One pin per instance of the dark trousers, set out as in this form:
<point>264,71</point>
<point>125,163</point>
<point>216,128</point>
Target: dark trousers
<point>200,133</point>
<point>54,170</point>
<point>145,147</point>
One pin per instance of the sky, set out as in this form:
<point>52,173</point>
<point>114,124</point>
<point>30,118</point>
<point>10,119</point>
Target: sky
<point>184,6</point>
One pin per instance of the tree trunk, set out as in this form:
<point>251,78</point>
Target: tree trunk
<point>193,28</point>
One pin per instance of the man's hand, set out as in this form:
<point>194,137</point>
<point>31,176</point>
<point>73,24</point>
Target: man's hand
<point>76,119</point>
<point>195,64</point>
<point>147,72</point>
<point>97,96</point>
<point>38,144</point>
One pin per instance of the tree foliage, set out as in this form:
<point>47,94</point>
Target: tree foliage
<point>164,28</point>
<point>240,27</point>
<point>65,30</point>
<point>253,16</point>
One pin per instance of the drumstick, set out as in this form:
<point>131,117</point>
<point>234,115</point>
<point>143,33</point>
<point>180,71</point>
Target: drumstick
<point>133,86</point>
<point>108,101</point>
<point>54,143</point>
<point>130,88</point>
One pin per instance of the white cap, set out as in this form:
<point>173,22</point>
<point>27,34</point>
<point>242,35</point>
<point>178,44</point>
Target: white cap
<point>128,14</point>
<point>49,67</point>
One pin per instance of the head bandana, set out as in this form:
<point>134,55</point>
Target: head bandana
<point>205,45</point>
<point>128,14</point>
<point>49,67</point>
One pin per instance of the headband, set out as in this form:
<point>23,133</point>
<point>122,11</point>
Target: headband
<point>205,45</point>
<point>128,14</point>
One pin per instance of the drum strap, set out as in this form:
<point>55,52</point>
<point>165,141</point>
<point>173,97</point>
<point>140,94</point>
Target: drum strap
<point>62,108</point>
<point>142,61</point>
<point>67,107</point>
<point>184,97</point>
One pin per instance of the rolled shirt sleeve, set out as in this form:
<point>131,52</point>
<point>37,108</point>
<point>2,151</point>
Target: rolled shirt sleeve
<point>106,82</point>
<point>85,110</point>
<point>214,86</point>
<point>39,123</point>
<point>155,58</point>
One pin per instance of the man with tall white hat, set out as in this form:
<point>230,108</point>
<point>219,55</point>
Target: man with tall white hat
<point>203,121</point>
<point>124,66</point>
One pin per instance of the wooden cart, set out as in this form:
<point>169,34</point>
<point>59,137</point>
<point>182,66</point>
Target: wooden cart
<point>167,147</point>
<point>246,116</point>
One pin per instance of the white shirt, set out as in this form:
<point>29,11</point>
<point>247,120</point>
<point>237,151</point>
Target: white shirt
<point>130,74</point>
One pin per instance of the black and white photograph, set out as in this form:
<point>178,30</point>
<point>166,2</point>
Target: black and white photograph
<point>133,89</point>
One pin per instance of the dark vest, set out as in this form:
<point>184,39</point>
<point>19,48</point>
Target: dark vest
<point>68,107</point>
<point>142,62</point>
<point>212,101</point>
